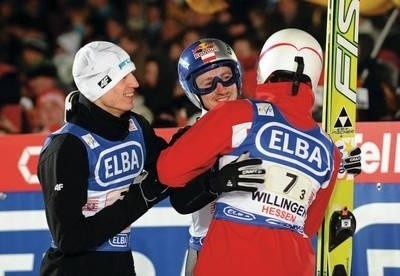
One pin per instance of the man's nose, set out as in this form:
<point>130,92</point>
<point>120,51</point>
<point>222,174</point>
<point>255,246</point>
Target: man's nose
<point>132,81</point>
<point>220,88</point>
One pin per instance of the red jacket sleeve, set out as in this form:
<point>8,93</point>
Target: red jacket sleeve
<point>198,149</point>
<point>316,212</point>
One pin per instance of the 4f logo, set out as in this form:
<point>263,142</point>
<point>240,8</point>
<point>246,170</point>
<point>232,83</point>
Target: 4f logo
<point>104,81</point>
<point>58,187</point>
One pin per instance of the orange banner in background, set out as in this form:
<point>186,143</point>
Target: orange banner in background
<point>379,142</point>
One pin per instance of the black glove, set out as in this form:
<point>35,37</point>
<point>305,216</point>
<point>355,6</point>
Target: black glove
<point>352,163</point>
<point>243,174</point>
<point>178,134</point>
<point>152,191</point>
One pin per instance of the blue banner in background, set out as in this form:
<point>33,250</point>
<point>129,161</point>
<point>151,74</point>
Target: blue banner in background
<point>160,237</point>
<point>376,245</point>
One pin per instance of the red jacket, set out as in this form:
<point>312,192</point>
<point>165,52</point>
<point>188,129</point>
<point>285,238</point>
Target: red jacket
<point>211,137</point>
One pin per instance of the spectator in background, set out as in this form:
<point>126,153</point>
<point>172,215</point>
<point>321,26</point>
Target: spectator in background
<point>42,88</point>
<point>135,20</point>
<point>157,90</point>
<point>135,45</point>
<point>34,53</point>
<point>382,98</point>
<point>153,27</point>
<point>289,14</point>
<point>171,30</point>
<point>114,29</point>
<point>99,12</point>
<point>391,60</point>
<point>190,35</point>
<point>141,109</point>
<point>49,110</point>
<point>13,118</point>
<point>185,112</point>
<point>78,17</point>
<point>247,55</point>
<point>221,26</point>
<point>258,23</point>
<point>67,45</point>
<point>186,37</point>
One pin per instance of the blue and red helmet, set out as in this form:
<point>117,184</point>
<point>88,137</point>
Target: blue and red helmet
<point>202,56</point>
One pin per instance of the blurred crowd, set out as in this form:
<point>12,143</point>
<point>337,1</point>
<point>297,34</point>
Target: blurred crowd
<point>39,38</point>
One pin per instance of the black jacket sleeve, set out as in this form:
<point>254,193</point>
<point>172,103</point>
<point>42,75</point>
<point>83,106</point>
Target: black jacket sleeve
<point>194,196</point>
<point>63,174</point>
<point>154,145</point>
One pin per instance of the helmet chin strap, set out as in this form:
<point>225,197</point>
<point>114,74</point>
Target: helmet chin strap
<point>297,74</point>
<point>202,104</point>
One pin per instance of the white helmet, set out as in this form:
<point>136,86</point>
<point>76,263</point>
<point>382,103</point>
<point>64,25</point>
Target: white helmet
<point>283,52</point>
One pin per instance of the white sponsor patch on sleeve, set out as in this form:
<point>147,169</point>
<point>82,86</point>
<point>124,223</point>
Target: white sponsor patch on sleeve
<point>265,109</point>
<point>239,133</point>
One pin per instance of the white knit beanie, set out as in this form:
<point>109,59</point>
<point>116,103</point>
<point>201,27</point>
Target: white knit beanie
<point>99,66</point>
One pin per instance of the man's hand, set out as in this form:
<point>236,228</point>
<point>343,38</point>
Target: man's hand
<point>243,174</point>
<point>352,163</point>
<point>152,191</point>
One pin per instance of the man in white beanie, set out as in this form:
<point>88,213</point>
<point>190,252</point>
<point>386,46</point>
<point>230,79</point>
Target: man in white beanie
<point>98,171</point>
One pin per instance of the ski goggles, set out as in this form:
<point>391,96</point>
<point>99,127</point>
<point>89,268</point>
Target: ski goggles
<point>227,77</point>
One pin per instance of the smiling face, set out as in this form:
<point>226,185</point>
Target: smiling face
<point>119,99</point>
<point>217,77</point>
